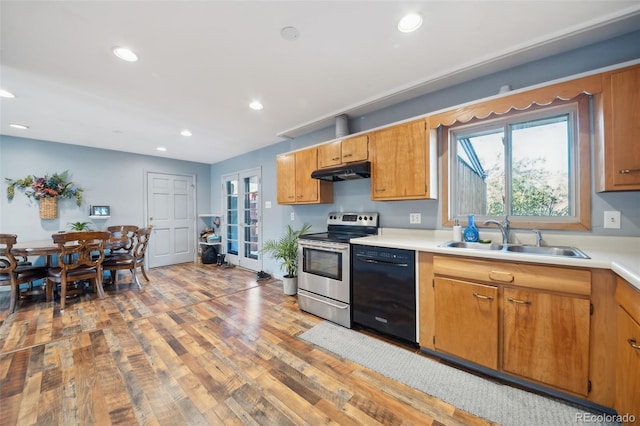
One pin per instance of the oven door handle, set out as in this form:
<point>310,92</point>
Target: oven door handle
<point>335,248</point>
<point>381,262</point>
<point>323,301</point>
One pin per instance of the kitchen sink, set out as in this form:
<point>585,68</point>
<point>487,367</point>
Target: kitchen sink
<point>547,251</point>
<point>561,251</point>
<point>477,246</point>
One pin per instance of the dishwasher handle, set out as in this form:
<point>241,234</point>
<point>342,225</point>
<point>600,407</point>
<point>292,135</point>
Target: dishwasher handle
<point>380,262</point>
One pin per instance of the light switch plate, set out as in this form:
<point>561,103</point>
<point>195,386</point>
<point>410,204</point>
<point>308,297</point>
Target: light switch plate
<point>293,216</point>
<point>612,219</point>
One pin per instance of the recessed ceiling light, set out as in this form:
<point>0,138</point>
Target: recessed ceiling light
<point>256,105</point>
<point>289,33</point>
<point>6,94</point>
<point>125,54</point>
<point>18,126</point>
<point>410,22</point>
<point>161,148</point>
<point>186,132</point>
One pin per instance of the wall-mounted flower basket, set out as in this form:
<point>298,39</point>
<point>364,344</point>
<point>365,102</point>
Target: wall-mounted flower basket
<point>46,190</point>
<point>48,208</point>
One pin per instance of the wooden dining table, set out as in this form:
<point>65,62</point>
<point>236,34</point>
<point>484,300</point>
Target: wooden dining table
<point>48,249</point>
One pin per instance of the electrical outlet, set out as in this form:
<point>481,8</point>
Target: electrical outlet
<point>293,216</point>
<point>267,204</point>
<point>415,218</point>
<point>612,220</point>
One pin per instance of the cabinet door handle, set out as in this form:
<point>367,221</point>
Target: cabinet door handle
<point>625,171</point>
<point>521,302</point>
<point>482,296</point>
<point>381,190</point>
<point>347,155</point>
<point>505,277</point>
<point>335,158</point>
<point>633,343</point>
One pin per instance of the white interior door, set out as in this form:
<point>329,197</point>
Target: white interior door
<point>170,209</point>
<point>243,214</point>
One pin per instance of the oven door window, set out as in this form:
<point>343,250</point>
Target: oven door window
<point>323,263</point>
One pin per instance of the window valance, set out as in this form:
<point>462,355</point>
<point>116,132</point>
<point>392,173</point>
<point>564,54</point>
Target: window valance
<point>519,101</point>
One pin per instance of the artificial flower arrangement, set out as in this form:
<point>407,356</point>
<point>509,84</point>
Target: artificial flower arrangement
<point>56,185</point>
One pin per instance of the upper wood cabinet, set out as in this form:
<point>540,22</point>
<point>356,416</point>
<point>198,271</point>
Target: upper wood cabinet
<point>355,149</point>
<point>344,151</point>
<point>294,182</point>
<point>403,163</point>
<point>618,131</point>
<point>330,154</point>
<point>286,178</point>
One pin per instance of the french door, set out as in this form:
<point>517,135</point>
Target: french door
<point>243,218</point>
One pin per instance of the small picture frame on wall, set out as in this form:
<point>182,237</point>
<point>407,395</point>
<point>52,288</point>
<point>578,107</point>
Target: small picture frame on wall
<point>100,211</point>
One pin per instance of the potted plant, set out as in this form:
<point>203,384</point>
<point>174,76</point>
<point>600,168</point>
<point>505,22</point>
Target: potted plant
<point>79,226</point>
<point>285,249</point>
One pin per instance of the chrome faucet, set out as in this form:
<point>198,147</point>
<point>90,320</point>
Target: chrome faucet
<point>505,228</point>
<point>538,237</point>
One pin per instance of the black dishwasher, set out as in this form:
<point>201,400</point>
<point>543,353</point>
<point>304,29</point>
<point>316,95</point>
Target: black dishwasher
<point>383,290</point>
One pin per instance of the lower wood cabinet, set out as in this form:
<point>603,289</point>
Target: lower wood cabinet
<point>466,320</point>
<point>528,321</point>
<point>546,338</point>
<point>628,365</point>
<point>627,399</point>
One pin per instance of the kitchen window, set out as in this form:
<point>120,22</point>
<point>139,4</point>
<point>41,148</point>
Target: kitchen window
<point>531,165</point>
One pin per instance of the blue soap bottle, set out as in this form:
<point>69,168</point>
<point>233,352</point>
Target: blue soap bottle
<point>471,233</point>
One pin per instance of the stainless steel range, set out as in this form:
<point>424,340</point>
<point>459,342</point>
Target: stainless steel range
<point>324,278</point>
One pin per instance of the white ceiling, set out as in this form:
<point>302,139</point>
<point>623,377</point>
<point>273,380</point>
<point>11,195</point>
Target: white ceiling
<point>202,62</point>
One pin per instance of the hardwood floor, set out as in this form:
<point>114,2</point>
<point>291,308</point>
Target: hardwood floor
<point>199,346</point>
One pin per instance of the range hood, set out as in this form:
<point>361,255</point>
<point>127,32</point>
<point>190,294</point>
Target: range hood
<point>360,170</point>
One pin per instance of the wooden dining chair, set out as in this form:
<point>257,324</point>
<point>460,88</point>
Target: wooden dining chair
<point>14,272</point>
<point>132,261</point>
<point>126,233</point>
<point>75,262</point>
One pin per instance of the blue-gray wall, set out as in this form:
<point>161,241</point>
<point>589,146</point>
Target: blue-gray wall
<point>108,178</point>
<point>117,178</point>
<point>355,195</point>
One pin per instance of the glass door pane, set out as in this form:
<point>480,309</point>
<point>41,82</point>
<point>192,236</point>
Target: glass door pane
<point>251,217</point>
<point>231,190</point>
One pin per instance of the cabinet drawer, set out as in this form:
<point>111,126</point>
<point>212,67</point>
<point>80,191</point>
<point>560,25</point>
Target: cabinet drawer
<point>628,298</point>
<point>551,278</point>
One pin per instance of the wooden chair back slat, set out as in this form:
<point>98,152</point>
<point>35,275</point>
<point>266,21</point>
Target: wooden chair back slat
<point>75,249</point>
